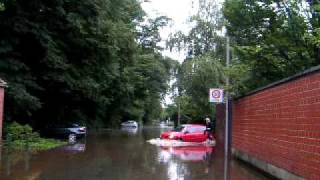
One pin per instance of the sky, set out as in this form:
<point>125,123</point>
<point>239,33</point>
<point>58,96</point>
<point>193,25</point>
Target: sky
<point>178,11</point>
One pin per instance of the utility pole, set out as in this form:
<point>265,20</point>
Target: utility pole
<point>228,117</point>
<point>179,113</point>
<point>226,146</point>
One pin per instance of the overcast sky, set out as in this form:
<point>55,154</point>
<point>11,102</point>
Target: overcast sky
<point>178,11</point>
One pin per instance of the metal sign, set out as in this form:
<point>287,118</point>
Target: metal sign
<point>216,95</point>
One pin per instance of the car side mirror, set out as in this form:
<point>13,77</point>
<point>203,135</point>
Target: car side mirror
<point>186,132</point>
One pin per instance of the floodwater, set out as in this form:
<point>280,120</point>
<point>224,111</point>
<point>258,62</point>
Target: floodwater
<point>123,155</point>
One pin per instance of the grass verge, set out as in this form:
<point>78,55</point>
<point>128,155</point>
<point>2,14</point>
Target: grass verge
<point>39,145</point>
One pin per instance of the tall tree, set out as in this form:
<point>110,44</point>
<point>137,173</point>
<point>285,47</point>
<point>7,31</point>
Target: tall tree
<point>202,68</point>
<point>271,38</point>
<point>70,60</point>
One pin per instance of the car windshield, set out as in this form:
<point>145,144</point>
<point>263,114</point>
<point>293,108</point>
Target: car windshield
<point>196,129</point>
<point>74,125</point>
<point>129,122</point>
<point>179,128</point>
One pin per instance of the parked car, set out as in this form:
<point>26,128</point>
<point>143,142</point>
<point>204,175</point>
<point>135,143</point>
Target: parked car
<point>188,133</point>
<point>66,130</point>
<point>130,123</point>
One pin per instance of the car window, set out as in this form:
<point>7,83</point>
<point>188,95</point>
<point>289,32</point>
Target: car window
<point>75,125</point>
<point>196,129</point>
<point>178,129</point>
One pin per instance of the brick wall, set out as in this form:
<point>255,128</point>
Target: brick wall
<point>281,125</point>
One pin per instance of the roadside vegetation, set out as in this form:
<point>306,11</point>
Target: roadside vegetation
<point>270,40</point>
<point>99,62</point>
<point>95,62</point>
<point>22,137</point>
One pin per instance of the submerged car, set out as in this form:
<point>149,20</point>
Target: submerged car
<point>130,124</point>
<point>188,133</point>
<point>66,130</point>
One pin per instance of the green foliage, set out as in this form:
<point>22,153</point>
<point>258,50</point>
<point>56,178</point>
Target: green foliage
<point>272,39</point>
<point>203,68</point>
<point>90,61</point>
<point>1,6</point>
<point>204,36</point>
<point>15,132</point>
<point>39,145</point>
<point>239,74</point>
<point>196,77</point>
<point>22,136</point>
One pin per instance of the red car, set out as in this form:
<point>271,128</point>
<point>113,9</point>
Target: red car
<point>188,133</point>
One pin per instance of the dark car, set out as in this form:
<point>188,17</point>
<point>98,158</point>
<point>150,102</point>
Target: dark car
<point>66,130</point>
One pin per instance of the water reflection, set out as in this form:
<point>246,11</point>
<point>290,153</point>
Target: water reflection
<point>116,156</point>
<point>11,158</point>
<point>73,148</point>
<point>178,160</point>
<point>192,153</point>
<point>177,171</point>
<point>130,130</point>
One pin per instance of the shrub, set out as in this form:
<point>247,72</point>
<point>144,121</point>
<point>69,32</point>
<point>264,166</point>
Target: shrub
<point>20,137</point>
<point>16,131</point>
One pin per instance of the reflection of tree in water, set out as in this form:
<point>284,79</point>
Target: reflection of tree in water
<point>144,163</point>
<point>11,159</point>
<point>119,157</point>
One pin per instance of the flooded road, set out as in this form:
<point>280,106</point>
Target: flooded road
<point>122,155</point>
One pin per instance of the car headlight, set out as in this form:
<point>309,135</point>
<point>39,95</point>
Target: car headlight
<point>171,136</point>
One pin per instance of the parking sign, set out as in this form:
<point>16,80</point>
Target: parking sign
<point>216,95</point>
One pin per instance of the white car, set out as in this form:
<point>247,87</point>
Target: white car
<point>130,123</point>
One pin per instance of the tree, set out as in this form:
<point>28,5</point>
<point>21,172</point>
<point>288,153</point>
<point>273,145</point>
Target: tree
<point>203,68</point>
<point>80,61</point>
<point>270,39</point>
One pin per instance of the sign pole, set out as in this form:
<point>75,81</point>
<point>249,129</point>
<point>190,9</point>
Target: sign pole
<point>227,145</point>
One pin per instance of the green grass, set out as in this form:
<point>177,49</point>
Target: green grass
<point>36,145</point>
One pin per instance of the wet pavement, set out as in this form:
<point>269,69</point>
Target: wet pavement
<point>123,155</point>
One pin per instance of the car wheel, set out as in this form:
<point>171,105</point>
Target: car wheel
<point>72,138</point>
<point>180,139</point>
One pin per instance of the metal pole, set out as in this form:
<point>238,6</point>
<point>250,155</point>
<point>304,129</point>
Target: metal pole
<point>179,115</point>
<point>228,116</point>
<point>226,145</point>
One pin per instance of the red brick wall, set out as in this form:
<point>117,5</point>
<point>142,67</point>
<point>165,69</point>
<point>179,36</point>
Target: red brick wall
<point>1,109</point>
<point>281,125</point>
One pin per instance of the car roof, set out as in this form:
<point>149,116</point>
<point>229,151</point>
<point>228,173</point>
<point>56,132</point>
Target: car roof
<point>130,121</point>
<point>192,125</point>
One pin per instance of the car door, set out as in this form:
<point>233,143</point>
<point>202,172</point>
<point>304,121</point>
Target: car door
<point>188,134</point>
<point>199,134</point>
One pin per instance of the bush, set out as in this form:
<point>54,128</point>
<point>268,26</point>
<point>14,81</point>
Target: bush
<point>16,131</point>
<point>21,136</point>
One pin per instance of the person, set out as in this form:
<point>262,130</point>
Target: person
<point>209,127</point>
